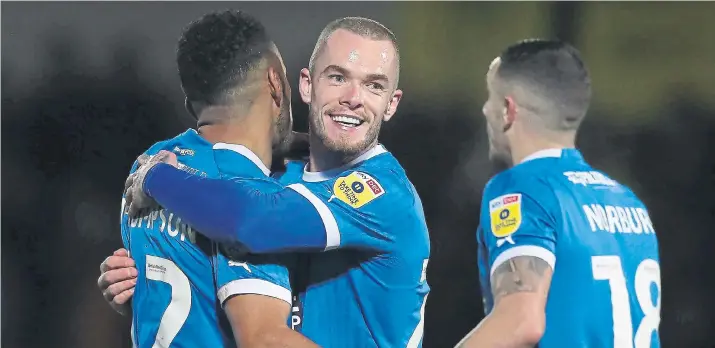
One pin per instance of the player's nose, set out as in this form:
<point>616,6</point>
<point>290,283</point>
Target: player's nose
<point>352,96</point>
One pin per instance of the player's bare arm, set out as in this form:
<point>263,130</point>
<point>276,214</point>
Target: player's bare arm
<point>520,287</point>
<point>520,274</point>
<point>260,321</point>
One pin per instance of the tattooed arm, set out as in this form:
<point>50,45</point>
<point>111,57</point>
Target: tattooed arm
<point>520,287</point>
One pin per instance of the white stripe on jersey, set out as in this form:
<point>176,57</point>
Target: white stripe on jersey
<point>332,237</point>
<point>525,250</point>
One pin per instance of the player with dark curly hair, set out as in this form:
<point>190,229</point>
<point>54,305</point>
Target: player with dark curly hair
<point>235,84</point>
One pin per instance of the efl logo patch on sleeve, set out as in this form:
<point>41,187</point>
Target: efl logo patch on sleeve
<point>357,189</point>
<point>505,215</point>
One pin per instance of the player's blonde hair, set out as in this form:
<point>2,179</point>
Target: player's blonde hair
<point>364,27</point>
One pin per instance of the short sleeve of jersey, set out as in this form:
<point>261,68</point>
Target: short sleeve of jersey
<point>517,220</point>
<point>367,209</point>
<point>241,274</point>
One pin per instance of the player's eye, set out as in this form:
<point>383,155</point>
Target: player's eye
<point>337,78</point>
<point>375,86</point>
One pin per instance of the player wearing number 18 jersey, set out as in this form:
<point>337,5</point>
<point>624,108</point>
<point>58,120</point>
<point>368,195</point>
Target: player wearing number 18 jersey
<point>568,257</point>
<point>605,291</point>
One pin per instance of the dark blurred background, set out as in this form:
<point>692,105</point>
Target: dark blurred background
<point>86,87</point>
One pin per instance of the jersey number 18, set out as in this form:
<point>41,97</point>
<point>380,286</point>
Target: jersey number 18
<point>648,272</point>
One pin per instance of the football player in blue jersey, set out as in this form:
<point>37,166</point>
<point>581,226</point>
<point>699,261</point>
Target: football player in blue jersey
<point>236,86</point>
<point>550,206</point>
<point>352,196</point>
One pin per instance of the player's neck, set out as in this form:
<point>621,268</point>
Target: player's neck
<point>529,145</point>
<point>322,158</point>
<point>241,132</point>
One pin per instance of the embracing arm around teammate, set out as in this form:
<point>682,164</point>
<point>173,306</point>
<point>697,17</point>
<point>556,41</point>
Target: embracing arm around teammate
<point>289,217</point>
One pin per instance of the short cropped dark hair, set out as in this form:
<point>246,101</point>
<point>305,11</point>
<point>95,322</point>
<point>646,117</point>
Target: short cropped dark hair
<point>554,71</point>
<point>217,52</point>
<point>364,27</point>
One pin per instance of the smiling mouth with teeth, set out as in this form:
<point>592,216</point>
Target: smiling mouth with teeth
<point>347,121</point>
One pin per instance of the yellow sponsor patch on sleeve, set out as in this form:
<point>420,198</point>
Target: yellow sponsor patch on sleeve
<point>505,214</point>
<point>357,189</point>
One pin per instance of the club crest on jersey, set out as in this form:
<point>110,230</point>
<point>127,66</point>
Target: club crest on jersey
<point>357,189</point>
<point>505,216</point>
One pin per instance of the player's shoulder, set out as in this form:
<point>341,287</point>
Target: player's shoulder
<point>520,179</point>
<point>158,146</point>
<point>542,172</point>
<point>372,183</point>
<point>570,173</point>
<point>379,187</point>
<point>189,147</point>
<point>183,144</point>
<point>384,165</point>
<point>524,187</point>
<point>383,173</point>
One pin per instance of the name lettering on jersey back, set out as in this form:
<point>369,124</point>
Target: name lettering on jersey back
<point>165,222</point>
<point>590,178</point>
<point>614,219</point>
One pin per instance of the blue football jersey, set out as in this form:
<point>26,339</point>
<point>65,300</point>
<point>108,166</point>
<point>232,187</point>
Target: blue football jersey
<point>182,275</point>
<point>366,217</point>
<point>369,288</point>
<point>237,272</point>
<point>605,290</point>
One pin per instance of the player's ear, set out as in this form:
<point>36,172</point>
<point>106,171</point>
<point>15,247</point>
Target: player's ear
<point>275,87</point>
<point>305,84</point>
<point>392,105</point>
<point>509,112</point>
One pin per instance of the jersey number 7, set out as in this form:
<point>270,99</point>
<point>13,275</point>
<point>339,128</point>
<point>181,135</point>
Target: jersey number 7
<point>175,315</point>
<point>648,272</point>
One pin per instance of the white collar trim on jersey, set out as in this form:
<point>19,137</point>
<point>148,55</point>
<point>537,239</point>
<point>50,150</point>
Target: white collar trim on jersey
<point>246,153</point>
<point>543,154</point>
<point>331,173</point>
